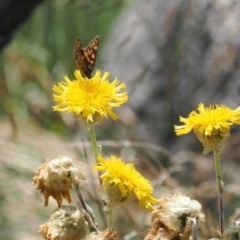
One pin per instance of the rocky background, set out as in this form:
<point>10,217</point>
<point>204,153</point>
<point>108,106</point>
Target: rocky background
<point>174,54</point>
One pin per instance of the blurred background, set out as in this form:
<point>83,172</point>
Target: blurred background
<point>172,54</point>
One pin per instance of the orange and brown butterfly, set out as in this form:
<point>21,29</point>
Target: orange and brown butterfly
<point>85,57</point>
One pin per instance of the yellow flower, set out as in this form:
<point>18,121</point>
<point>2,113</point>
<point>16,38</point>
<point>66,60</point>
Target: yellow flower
<point>210,124</point>
<point>89,99</point>
<point>127,180</point>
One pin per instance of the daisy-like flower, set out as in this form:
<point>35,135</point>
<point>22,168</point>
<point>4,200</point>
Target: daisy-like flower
<point>91,100</point>
<point>122,183</point>
<point>210,124</point>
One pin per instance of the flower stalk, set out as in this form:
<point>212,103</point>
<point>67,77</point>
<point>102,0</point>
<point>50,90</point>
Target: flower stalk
<point>94,141</point>
<point>194,224</point>
<point>110,218</point>
<point>220,189</point>
<point>89,216</point>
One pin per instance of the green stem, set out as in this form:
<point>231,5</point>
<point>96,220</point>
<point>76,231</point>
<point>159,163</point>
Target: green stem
<point>95,152</point>
<point>93,141</point>
<point>109,219</point>
<point>220,189</point>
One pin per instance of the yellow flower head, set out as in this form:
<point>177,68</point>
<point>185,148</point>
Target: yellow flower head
<point>127,180</point>
<point>210,124</point>
<point>89,99</point>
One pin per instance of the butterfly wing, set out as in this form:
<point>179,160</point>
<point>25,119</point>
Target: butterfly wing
<point>90,53</point>
<point>79,55</point>
<point>85,57</point>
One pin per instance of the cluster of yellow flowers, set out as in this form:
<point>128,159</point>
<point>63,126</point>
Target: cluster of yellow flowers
<point>91,100</point>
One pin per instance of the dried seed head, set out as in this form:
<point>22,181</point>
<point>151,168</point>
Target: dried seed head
<point>172,217</point>
<point>233,232</point>
<point>55,178</point>
<point>105,235</point>
<point>66,223</point>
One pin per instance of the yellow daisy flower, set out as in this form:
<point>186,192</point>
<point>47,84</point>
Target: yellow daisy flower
<point>127,180</point>
<point>210,124</point>
<point>89,99</point>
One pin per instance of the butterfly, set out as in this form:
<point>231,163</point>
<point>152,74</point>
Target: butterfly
<point>85,57</point>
